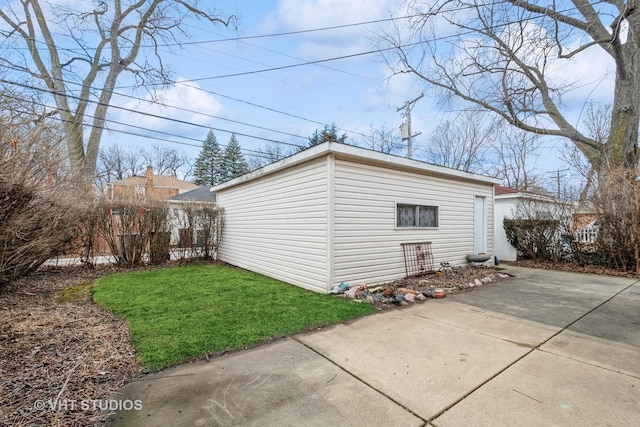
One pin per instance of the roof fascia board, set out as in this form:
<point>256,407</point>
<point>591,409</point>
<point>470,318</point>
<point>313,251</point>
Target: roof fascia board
<point>361,154</point>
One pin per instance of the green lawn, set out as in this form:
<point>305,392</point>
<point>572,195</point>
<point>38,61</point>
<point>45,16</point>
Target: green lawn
<point>177,313</point>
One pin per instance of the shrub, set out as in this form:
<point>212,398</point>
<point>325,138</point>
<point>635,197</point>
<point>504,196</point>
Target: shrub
<point>618,205</point>
<point>39,210</point>
<point>133,228</point>
<point>137,231</point>
<point>534,238</point>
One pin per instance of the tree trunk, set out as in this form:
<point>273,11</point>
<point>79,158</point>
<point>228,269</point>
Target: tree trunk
<point>621,148</point>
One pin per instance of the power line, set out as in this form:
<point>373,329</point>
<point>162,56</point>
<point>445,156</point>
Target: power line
<point>209,115</point>
<point>152,115</point>
<point>263,36</point>
<point>176,108</point>
<point>253,153</point>
<point>337,58</point>
<point>291,33</point>
<point>184,82</point>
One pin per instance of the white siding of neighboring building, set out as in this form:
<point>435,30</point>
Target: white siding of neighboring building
<point>277,225</point>
<point>524,205</point>
<point>505,208</point>
<point>366,241</point>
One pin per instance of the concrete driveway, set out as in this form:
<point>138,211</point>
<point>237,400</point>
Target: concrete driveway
<point>545,348</point>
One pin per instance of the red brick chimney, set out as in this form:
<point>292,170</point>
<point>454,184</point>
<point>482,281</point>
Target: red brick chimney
<point>149,184</point>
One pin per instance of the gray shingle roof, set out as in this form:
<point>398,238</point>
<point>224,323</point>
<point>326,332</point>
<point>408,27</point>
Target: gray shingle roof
<point>200,194</point>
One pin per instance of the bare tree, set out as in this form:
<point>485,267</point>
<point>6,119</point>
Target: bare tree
<point>463,143</point>
<point>269,154</point>
<point>78,55</point>
<point>166,161</point>
<point>117,163</point>
<point>506,56</point>
<point>598,124</point>
<point>517,152</point>
<point>383,139</point>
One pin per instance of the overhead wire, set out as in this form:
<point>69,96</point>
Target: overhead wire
<point>253,153</point>
<point>321,61</point>
<point>25,86</point>
<point>185,82</point>
<point>157,116</point>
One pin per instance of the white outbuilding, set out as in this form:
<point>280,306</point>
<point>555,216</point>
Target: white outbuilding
<point>514,204</point>
<point>337,213</point>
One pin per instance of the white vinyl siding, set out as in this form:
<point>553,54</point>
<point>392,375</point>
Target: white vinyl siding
<point>328,214</point>
<point>276,225</point>
<point>367,242</point>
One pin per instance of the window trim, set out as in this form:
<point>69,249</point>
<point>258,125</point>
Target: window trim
<point>417,205</point>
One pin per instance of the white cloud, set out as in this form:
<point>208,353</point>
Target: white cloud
<point>194,106</point>
<point>300,15</point>
<point>305,14</point>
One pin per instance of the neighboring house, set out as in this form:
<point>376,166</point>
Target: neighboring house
<point>511,204</point>
<point>202,194</point>
<point>148,187</point>
<point>585,225</point>
<point>137,190</point>
<point>182,231</point>
<point>335,213</point>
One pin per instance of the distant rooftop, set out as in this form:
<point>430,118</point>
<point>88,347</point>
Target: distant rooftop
<point>200,194</point>
<point>159,181</point>
<point>499,190</point>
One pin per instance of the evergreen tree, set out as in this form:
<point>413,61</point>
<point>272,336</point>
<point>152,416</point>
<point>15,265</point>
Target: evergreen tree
<point>208,166</point>
<point>329,133</point>
<point>233,161</point>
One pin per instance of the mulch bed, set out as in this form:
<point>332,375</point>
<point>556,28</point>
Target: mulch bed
<point>572,267</point>
<point>60,350</point>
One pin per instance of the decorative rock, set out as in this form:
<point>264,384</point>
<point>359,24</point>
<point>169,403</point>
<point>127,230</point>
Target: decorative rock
<point>439,293</point>
<point>351,292</point>
<point>388,292</point>
<point>428,292</point>
<point>477,282</point>
<point>410,297</point>
<point>420,297</point>
<point>434,293</point>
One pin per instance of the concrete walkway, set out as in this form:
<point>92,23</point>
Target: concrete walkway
<point>543,349</point>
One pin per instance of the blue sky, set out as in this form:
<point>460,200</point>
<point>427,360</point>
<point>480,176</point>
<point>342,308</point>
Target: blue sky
<point>220,86</point>
<point>355,93</point>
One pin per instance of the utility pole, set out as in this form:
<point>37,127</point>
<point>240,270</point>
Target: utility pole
<point>405,128</point>
<point>557,173</point>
